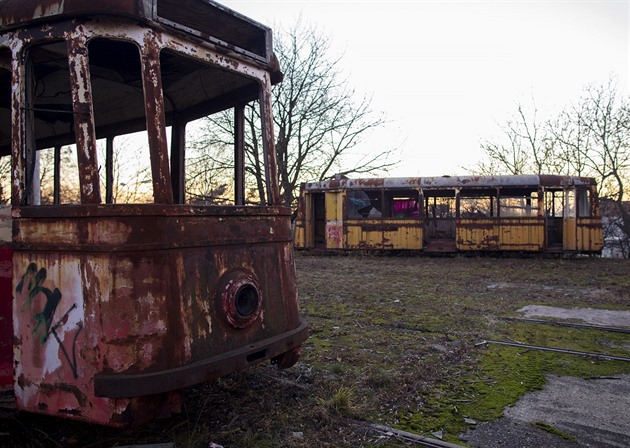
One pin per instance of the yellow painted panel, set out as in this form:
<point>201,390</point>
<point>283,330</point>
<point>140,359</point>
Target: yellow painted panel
<point>522,234</point>
<point>404,237</point>
<point>353,236</point>
<point>299,237</point>
<point>332,199</point>
<point>334,222</point>
<point>589,234</point>
<point>383,234</point>
<point>477,234</point>
<point>569,234</point>
<point>334,234</point>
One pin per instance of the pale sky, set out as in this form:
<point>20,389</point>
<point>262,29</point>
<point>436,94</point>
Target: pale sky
<point>446,73</point>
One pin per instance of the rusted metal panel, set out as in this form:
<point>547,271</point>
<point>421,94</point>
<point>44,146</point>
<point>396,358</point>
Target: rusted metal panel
<point>116,299</point>
<point>204,19</point>
<point>6,320</point>
<point>189,104</point>
<point>16,12</point>
<point>156,120</point>
<point>84,129</point>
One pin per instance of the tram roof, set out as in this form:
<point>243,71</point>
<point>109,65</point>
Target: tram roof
<point>515,181</point>
<point>204,19</point>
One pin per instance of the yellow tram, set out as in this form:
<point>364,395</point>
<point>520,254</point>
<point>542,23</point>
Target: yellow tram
<point>523,213</point>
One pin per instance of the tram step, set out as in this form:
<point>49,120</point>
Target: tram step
<point>441,246</point>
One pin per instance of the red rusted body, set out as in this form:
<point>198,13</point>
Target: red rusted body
<point>6,320</point>
<point>117,307</point>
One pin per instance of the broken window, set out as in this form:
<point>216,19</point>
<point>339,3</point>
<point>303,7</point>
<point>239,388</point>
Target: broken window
<point>364,204</point>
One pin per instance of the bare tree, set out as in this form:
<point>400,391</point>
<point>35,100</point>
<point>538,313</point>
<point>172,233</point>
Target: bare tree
<point>319,119</point>
<point>589,138</point>
<point>524,147</point>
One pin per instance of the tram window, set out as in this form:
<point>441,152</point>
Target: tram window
<point>584,202</point>
<point>364,204</point>
<point>50,120</point>
<point>66,189</point>
<point>401,204</point>
<point>569,210</point>
<point>477,204</point>
<point>439,206</point>
<point>119,109</point>
<point>554,203</point>
<point>210,159</point>
<point>191,85</point>
<point>5,125</point>
<point>131,170</point>
<point>477,207</point>
<point>519,206</point>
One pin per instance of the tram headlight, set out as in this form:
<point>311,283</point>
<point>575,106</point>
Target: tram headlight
<point>246,300</point>
<point>240,298</point>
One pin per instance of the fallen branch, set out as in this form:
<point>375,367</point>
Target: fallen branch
<point>411,437</point>
<point>560,350</point>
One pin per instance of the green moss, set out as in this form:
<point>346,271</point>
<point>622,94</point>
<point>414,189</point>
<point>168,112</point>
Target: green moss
<point>503,374</point>
<point>555,431</point>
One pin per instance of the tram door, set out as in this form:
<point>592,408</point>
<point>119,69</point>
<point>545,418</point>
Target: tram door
<point>319,220</point>
<point>439,213</point>
<point>554,212</point>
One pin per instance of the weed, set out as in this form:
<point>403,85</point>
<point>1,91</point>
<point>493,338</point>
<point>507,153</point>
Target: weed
<point>341,402</point>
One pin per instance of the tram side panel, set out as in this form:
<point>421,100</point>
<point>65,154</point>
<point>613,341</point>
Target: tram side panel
<point>589,235</point>
<point>107,336</point>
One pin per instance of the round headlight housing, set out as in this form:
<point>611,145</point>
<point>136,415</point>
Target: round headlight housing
<point>240,298</point>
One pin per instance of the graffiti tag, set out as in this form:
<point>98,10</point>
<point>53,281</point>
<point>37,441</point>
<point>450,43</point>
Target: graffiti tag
<point>33,279</point>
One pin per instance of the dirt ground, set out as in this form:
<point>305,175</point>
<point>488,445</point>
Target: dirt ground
<point>395,341</point>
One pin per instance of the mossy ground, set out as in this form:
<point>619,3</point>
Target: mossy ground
<point>394,341</point>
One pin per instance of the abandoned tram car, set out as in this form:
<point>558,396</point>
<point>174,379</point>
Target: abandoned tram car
<point>528,213</point>
<point>117,307</point>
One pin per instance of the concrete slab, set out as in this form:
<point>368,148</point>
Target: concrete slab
<point>592,316</point>
<point>595,412</point>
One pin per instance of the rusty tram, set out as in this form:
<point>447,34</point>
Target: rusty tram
<point>115,308</point>
<point>501,214</point>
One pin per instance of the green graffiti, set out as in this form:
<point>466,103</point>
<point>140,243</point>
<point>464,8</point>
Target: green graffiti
<point>34,279</point>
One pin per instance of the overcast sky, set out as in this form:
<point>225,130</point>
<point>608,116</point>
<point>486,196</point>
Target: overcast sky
<point>446,73</point>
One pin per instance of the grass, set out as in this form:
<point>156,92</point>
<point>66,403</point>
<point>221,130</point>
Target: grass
<point>394,341</point>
